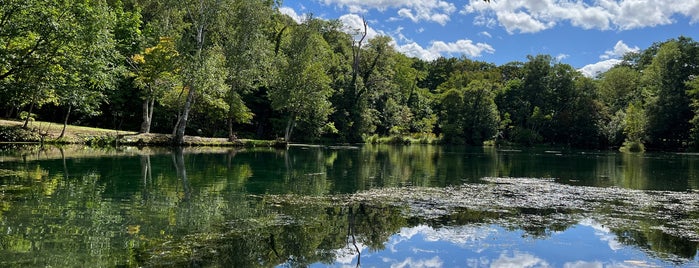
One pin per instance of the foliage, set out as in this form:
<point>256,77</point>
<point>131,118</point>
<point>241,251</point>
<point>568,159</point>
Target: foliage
<point>303,90</point>
<point>693,93</point>
<point>635,127</point>
<point>242,68</point>
<point>18,134</point>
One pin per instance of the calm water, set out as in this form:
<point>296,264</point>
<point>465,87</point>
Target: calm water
<point>79,207</point>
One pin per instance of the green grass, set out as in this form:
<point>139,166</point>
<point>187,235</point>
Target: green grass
<point>47,132</point>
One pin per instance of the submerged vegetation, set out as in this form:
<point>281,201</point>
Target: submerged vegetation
<point>538,206</point>
<point>261,207</point>
<point>241,69</point>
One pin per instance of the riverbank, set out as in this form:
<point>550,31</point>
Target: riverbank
<point>47,132</point>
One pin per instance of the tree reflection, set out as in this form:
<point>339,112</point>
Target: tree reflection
<point>658,243</point>
<point>264,207</point>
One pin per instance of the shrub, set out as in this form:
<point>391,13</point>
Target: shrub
<point>18,134</point>
<point>633,147</point>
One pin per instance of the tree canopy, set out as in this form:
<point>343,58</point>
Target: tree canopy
<point>237,68</point>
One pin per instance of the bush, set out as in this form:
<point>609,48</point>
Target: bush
<point>18,134</point>
<point>101,141</point>
<point>633,147</point>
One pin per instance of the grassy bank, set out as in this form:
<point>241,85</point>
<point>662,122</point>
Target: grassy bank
<point>403,139</point>
<point>47,132</point>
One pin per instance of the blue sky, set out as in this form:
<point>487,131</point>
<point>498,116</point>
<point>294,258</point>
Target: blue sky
<point>589,35</point>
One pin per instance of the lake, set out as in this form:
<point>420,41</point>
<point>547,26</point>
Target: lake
<point>369,206</point>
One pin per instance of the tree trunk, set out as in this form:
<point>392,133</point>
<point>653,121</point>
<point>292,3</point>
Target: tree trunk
<point>147,116</point>
<point>65,122</point>
<point>231,135</point>
<point>181,171</point>
<point>182,123</point>
<point>29,114</point>
<point>289,128</point>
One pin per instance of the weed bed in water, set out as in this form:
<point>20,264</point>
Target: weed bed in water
<point>537,206</point>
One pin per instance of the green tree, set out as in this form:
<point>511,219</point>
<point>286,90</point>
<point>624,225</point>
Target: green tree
<point>303,89</point>
<point>635,127</point>
<point>204,18</point>
<point>668,107</point>
<point>618,87</point>
<point>248,53</point>
<point>155,71</point>
<point>469,115</point>
<point>481,119</point>
<point>693,92</point>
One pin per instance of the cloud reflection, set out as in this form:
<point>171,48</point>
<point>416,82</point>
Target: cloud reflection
<point>603,233</point>
<point>518,259</point>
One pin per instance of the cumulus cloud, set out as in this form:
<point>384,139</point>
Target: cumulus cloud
<point>610,58</point>
<point>354,25</point>
<point>440,48</point>
<point>561,56</point>
<point>291,13</point>
<point>583,264</point>
<point>620,49</point>
<point>519,259</point>
<point>604,234</point>
<point>529,16</point>
<point>594,69</point>
<point>438,11</point>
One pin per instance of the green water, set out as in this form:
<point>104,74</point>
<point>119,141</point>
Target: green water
<point>80,207</point>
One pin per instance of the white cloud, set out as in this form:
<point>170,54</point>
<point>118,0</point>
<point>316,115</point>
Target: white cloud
<point>399,33</point>
<point>583,264</point>
<point>466,47</point>
<point>291,13</point>
<point>438,11</point>
<point>620,49</point>
<point>484,33</point>
<point>440,48</point>
<point>561,56</point>
<point>519,259</point>
<point>528,16</point>
<point>409,262</point>
<point>604,234</point>
<point>610,58</point>
<point>592,70</point>
<point>354,25</point>
<point>415,50</point>
<point>522,22</point>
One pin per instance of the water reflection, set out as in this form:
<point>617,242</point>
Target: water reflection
<point>222,207</point>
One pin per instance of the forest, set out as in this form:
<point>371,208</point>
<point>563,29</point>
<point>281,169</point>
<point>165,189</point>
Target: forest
<point>240,68</point>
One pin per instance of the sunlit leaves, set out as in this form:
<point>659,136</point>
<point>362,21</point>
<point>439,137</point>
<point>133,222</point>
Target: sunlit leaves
<point>303,89</point>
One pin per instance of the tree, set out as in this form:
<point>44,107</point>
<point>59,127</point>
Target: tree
<point>693,93</point>
<point>619,86</point>
<point>35,38</point>
<point>203,16</point>
<point>481,119</point>
<point>62,52</point>
<point>303,89</point>
<point>249,55</point>
<point>668,107</point>
<point>635,128</point>
<point>155,72</point>
<point>451,117</point>
<point>469,114</point>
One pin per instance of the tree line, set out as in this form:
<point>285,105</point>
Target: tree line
<point>234,68</point>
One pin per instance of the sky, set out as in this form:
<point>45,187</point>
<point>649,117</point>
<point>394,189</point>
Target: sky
<point>590,35</point>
